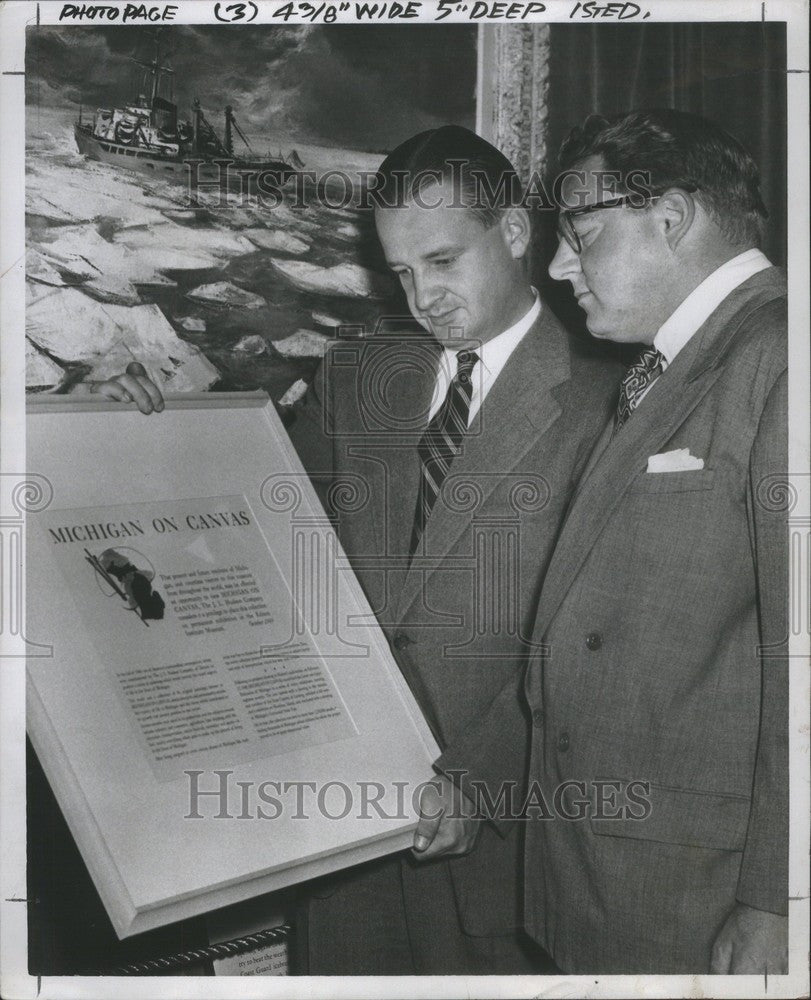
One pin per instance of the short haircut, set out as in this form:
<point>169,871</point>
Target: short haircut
<point>485,182</point>
<point>675,149</point>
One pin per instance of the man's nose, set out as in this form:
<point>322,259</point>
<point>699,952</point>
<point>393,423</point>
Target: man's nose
<point>565,264</point>
<point>427,292</point>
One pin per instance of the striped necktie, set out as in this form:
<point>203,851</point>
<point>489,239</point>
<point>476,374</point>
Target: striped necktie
<point>442,441</point>
<point>642,373</point>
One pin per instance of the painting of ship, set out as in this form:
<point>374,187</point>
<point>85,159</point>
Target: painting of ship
<point>147,135</point>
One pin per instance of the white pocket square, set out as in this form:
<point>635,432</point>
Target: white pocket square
<point>679,460</point>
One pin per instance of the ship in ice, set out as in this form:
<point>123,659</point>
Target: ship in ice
<point>148,135</point>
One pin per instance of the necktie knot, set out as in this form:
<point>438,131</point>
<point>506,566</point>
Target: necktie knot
<point>465,363</point>
<point>640,376</point>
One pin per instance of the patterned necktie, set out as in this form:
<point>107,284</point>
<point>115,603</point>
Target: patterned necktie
<point>642,373</point>
<point>442,441</point>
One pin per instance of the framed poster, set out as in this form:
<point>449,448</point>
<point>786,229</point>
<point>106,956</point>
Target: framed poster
<point>217,711</point>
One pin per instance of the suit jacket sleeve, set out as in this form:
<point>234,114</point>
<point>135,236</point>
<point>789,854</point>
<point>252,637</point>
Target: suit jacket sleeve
<point>763,881</point>
<point>310,426</point>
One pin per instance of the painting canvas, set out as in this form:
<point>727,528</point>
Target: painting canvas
<point>220,278</point>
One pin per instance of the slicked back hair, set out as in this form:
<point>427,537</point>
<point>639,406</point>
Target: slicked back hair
<point>675,149</point>
<point>484,181</point>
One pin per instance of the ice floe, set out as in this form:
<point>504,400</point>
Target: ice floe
<point>277,239</point>
<point>106,270</point>
<point>74,327</point>
<point>39,268</point>
<point>172,259</point>
<point>71,325</point>
<point>323,319</point>
<point>184,215</point>
<point>303,344</point>
<point>178,367</point>
<point>350,280</point>
<point>253,343</point>
<point>63,193</point>
<point>185,239</point>
<point>227,294</point>
<point>238,217</point>
<point>40,371</point>
<point>132,258</point>
<point>48,208</point>
<point>296,391</point>
<point>349,231</point>
<point>191,323</point>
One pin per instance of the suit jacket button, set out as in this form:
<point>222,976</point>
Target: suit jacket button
<point>563,742</point>
<point>400,640</point>
<point>594,641</point>
<point>537,717</point>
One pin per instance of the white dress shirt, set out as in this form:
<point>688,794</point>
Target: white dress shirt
<point>493,355</point>
<point>702,302</point>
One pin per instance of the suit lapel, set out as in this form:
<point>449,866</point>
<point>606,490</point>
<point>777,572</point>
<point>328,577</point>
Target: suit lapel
<point>395,409</point>
<point>673,397</point>
<point>602,443</point>
<point>518,410</point>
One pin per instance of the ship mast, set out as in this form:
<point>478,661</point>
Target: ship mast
<point>228,141</point>
<point>156,71</point>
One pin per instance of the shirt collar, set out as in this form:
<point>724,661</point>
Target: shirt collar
<point>494,352</point>
<point>705,298</point>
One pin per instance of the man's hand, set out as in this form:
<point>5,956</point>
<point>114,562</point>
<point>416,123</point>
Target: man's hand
<point>447,824</point>
<point>751,942</point>
<point>134,386</point>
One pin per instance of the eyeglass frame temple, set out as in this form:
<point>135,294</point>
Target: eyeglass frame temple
<point>620,201</point>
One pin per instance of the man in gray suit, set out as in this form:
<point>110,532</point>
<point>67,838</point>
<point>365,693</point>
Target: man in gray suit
<point>469,433</point>
<point>664,608</point>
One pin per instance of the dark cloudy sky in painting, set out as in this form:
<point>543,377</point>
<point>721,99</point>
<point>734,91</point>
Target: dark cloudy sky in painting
<point>358,87</point>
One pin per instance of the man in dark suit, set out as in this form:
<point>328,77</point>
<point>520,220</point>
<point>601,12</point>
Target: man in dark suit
<point>663,612</point>
<point>469,433</point>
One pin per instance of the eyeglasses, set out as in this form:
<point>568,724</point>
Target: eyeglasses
<point>566,228</point>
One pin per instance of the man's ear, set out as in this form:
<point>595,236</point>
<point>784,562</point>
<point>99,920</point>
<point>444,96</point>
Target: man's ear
<point>676,210</point>
<point>517,230</point>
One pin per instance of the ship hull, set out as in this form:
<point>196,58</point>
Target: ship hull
<point>257,177</point>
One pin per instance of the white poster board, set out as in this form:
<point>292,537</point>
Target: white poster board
<point>220,716</point>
